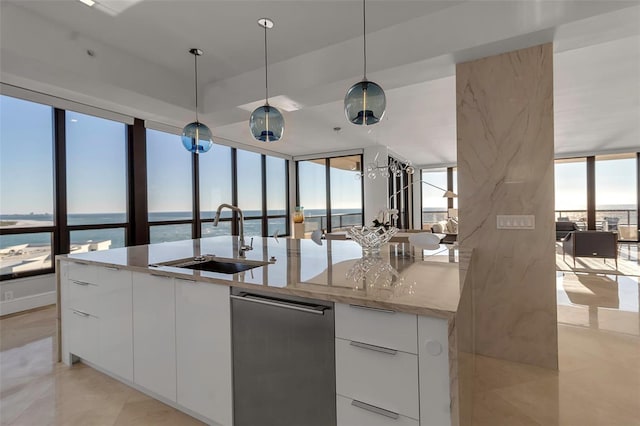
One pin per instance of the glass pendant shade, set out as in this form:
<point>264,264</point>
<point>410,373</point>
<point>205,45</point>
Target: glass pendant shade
<point>266,124</point>
<point>196,137</point>
<point>365,103</point>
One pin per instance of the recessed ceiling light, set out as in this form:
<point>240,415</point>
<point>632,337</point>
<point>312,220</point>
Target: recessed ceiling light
<point>281,102</point>
<point>88,2</point>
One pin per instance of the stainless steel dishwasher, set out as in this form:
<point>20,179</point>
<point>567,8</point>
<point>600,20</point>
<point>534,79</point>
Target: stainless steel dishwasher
<point>283,360</point>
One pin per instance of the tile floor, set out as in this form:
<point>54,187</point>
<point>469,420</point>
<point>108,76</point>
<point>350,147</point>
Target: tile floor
<point>598,382</point>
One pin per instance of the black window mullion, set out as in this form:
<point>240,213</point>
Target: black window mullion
<point>138,214</point>
<point>196,228</point>
<point>328,191</point>
<point>234,190</point>
<point>61,240</point>
<point>591,192</point>
<point>287,212</point>
<point>450,186</point>
<point>265,227</point>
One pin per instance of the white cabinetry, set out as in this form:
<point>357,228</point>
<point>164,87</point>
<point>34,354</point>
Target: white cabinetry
<point>116,321</point>
<point>203,344</point>
<point>435,398</point>
<point>97,310</point>
<point>391,368</point>
<point>376,367</point>
<point>154,334</point>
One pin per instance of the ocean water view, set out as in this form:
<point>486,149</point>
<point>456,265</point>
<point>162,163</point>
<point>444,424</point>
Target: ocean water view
<point>315,218</point>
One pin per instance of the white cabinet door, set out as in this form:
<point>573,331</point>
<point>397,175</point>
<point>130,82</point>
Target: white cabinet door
<point>154,334</point>
<point>433,360</point>
<point>203,332</point>
<point>83,335</point>
<point>116,322</point>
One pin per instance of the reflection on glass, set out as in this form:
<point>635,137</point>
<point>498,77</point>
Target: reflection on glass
<point>278,225</point>
<point>223,228</point>
<point>215,180</point>
<point>276,186</point>
<point>168,176</point>
<point>166,233</point>
<point>252,228</point>
<point>571,190</point>
<point>616,195</point>
<point>96,169</point>
<point>96,239</point>
<point>249,183</point>
<point>26,163</point>
<point>434,205</point>
<point>313,193</point>
<point>346,192</point>
<point>25,252</point>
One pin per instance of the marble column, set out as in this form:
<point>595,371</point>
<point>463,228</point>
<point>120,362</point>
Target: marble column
<point>505,167</point>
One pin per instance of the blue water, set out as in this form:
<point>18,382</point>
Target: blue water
<point>158,233</point>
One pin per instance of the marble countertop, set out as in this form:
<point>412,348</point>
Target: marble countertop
<point>402,278</point>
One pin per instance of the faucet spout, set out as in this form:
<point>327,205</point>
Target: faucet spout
<point>243,247</point>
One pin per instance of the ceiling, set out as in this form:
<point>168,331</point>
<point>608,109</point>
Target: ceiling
<point>141,65</point>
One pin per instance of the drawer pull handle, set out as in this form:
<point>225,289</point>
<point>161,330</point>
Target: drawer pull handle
<point>186,279</point>
<point>80,283</point>
<point>80,313</point>
<point>81,263</point>
<point>387,311</point>
<point>374,409</point>
<point>112,268</point>
<point>373,347</point>
<point>160,276</point>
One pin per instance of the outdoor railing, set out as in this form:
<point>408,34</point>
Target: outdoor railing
<point>338,221</point>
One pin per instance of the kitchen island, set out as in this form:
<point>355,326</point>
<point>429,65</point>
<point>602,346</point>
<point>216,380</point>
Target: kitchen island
<point>165,330</point>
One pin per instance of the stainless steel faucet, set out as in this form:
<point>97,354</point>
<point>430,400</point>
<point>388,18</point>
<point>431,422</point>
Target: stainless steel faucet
<point>243,247</point>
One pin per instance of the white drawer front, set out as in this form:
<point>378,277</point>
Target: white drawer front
<point>352,415</point>
<point>386,380</point>
<point>83,335</point>
<point>83,272</point>
<point>435,397</point>
<point>389,329</point>
<point>84,297</point>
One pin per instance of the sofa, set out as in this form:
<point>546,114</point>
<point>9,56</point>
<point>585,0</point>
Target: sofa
<point>563,228</point>
<point>598,244</point>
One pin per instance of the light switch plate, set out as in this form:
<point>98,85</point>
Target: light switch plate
<point>516,221</point>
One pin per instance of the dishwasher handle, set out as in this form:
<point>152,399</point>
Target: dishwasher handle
<point>286,304</point>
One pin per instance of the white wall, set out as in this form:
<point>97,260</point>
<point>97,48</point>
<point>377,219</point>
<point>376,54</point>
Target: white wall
<point>28,293</point>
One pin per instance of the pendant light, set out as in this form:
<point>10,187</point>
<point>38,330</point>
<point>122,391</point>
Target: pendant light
<point>266,122</point>
<point>196,137</point>
<point>365,101</point>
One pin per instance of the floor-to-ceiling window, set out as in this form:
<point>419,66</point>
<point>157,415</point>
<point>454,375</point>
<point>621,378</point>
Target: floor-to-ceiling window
<point>571,190</point>
<point>250,191</point>
<point>312,193</point>
<point>96,160</point>
<point>216,187</point>
<point>330,187</point>
<point>277,190</point>
<point>346,192</point>
<point>616,194</point>
<point>26,186</point>
<point>434,205</point>
<point>169,187</point>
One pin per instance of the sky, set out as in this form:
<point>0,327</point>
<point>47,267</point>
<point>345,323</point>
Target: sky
<point>96,171</point>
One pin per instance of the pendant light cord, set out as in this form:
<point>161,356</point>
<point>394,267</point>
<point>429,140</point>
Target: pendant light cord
<point>195,58</point>
<point>266,67</point>
<point>364,27</point>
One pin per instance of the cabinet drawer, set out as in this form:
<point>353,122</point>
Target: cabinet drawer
<point>83,335</point>
<point>364,414</point>
<point>378,376</point>
<point>83,297</point>
<point>377,327</point>
<point>83,272</point>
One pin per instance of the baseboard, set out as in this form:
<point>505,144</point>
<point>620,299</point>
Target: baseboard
<point>20,304</point>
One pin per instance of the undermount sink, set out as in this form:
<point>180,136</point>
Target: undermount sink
<point>214,264</point>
